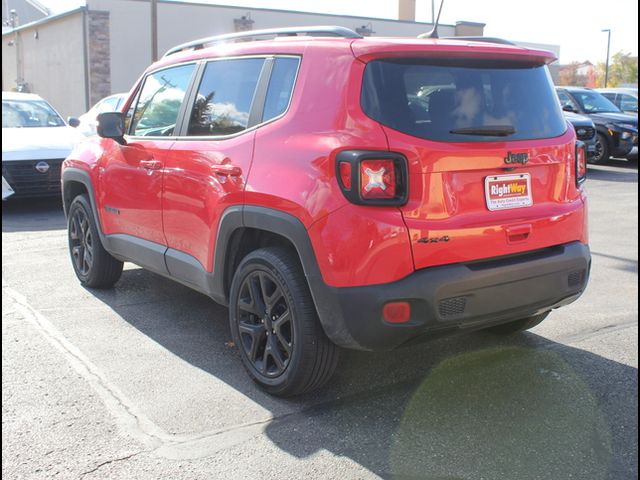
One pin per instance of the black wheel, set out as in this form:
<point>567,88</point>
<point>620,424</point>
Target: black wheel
<point>602,150</point>
<point>518,325</point>
<point>94,266</point>
<point>275,325</point>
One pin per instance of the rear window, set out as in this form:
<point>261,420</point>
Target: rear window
<point>462,102</point>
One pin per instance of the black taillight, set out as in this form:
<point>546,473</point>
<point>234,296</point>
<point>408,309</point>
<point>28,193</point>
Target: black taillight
<point>368,177</point>
<point>581,162</point>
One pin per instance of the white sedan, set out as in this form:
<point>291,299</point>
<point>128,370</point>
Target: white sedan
<point>89,120</point>
<point>35,141</point>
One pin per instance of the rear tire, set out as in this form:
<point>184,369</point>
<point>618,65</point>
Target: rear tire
<point>274,323</point>
<point>518,326</point>
<point>94,266</point>
<point>602,150</point>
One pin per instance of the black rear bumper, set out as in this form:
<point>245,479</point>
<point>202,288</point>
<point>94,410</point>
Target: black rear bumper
<point>449,298</point>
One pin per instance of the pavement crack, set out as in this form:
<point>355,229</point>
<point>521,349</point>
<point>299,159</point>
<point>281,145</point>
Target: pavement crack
<point>113,460</point>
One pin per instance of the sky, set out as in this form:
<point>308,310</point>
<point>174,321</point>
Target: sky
<point>575,25</point>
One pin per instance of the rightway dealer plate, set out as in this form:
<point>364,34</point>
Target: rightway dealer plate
<point>508,191</point>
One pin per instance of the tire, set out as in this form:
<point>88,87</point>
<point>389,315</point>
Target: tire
<point>94,266</point>
<point>602,150</point>
<point>274,323</point>
<point>518,326</point>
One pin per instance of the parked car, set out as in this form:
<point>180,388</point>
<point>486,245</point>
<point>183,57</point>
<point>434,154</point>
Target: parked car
<point>328,213</point>
<point>35,141</point>
<point>626,99</point>
<point>617,132</point>
<point>585,131</point>
<point>89,120</point>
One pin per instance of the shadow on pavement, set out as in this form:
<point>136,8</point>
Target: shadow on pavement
<point>467,407</point>
<point>32,215</point>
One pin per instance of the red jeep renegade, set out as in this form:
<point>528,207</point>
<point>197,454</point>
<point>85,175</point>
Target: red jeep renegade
<point>334,190</point>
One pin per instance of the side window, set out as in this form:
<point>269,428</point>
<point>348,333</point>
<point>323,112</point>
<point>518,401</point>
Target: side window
<point>224,98</point>
<point>159,102</point>
<point>281,82</point>
<point>628,103</point>
<point>566,100</point>
<point>611,97</point>
<point>108,105</point>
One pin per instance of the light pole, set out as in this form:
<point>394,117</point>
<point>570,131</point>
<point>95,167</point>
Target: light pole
<point>606,68</point>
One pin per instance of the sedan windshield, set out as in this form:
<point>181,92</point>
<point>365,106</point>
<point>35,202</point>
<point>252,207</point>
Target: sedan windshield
<point>594,102</point>
<point>29,113</point>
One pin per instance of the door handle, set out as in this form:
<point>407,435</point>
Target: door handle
<point>226,170</point>
<point>151,164</point>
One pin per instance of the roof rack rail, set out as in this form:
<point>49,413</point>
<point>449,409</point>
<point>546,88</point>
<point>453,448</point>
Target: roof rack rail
<point>501,41</point>
<point>320,31</point>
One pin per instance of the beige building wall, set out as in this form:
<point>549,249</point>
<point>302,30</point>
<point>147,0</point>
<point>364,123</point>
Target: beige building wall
<point>50,61</point>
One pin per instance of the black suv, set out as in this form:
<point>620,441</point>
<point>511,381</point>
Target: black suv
<point>617,132</point>
<point>585,131</point>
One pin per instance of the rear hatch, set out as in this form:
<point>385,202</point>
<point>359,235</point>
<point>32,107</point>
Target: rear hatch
<point>491,157</point>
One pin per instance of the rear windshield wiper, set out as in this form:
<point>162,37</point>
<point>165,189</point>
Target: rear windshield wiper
<point>489,130</point>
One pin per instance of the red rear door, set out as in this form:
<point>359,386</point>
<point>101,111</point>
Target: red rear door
<point>207,168</point>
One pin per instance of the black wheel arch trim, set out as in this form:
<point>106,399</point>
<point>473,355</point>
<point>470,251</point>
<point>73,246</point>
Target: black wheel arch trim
<point>71,174</point>
<point>291,228</point>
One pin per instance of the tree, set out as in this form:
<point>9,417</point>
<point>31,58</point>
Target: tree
<point>570,75</point>
<point>623,69</point>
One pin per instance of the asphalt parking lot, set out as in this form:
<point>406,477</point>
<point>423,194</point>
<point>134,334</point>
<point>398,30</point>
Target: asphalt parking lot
<point>142,381</point>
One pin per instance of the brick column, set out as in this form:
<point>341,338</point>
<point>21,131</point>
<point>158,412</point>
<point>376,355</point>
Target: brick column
<point>99,56</point>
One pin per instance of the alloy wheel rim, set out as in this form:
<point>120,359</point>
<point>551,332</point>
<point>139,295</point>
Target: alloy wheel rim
<point>81,242</point>
<point>599,150</point>
<point>265,325</point>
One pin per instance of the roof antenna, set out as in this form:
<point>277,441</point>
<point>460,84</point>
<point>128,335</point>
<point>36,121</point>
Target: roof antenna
<point>434,32</point>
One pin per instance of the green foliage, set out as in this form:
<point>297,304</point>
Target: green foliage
<point>623,69</point>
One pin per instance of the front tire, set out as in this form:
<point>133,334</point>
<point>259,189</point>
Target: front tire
<point>602,150</point>
<point>518,326</point>
<point>274,323</point>
<point>94,266</point>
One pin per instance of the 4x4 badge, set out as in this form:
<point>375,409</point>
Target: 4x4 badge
<point>521,158</point>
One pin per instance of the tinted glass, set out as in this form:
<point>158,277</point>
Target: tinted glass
<point>29,113</point>
<point>628,103</point>
<point>160,100</point>
<point>224,97</point>
<point>108,105</point>
<point>439,101</point>
<point>609,96</point>
<point>566,100</point>
<point>281,82</point>
<point>593,102</point>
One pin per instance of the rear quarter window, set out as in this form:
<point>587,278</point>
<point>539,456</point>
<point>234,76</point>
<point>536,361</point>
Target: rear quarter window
<point>280,88</point>
<point>436,101</point>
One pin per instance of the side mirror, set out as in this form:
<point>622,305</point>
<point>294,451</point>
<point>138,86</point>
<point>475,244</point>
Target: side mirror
<point>568,108</point>
<point>111,125</point>
<point>73,122</point>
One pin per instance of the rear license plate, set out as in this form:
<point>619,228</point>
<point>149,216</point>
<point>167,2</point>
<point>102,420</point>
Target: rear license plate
<point>508,191</point>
